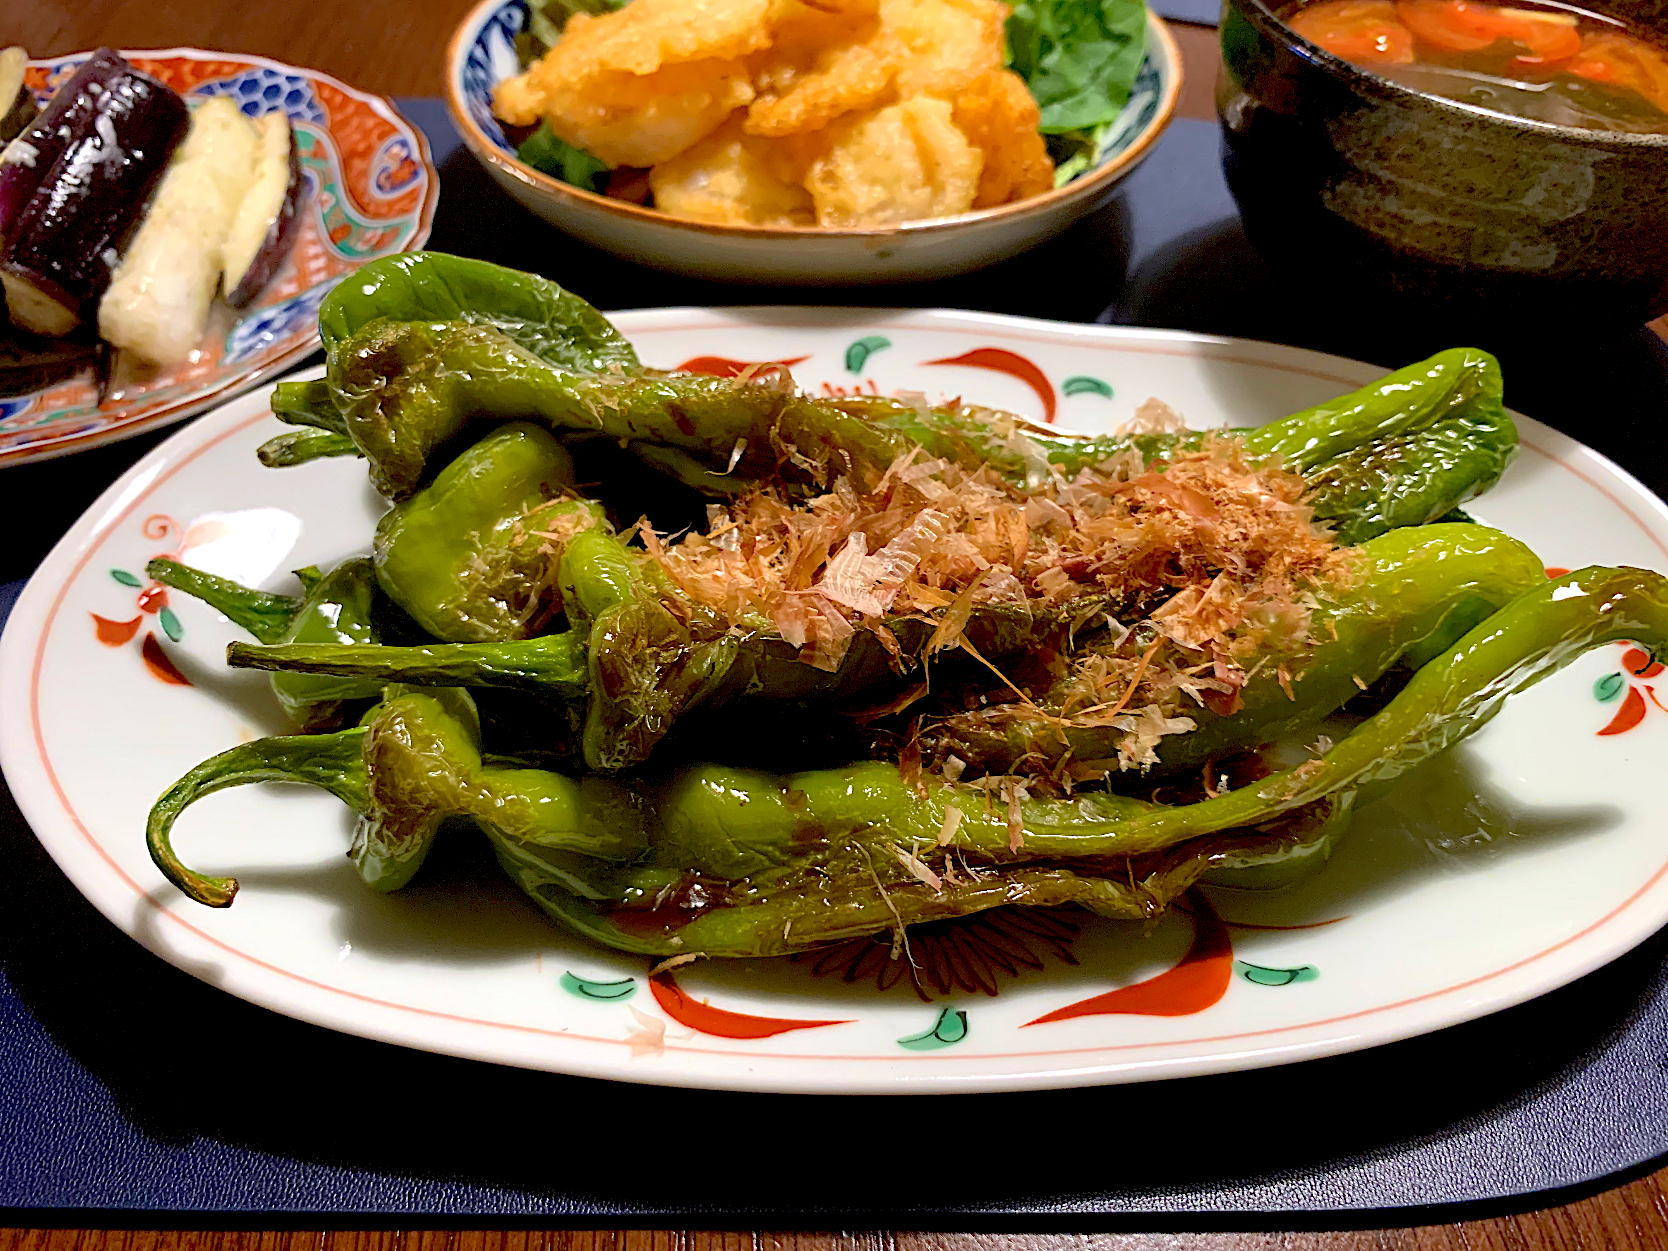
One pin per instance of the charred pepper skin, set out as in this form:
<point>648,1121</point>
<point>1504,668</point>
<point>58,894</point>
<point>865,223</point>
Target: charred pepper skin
<point>1403,451</point>
<point>597,861</point>
<point>1411,594</point>
<point>538,315</point>
<point>470,556</point>
<point>334,610</point>
<point>553,324</point>
<point>1413,591</point>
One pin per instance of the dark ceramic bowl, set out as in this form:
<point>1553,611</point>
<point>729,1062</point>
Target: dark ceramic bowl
<point>1435,207</point>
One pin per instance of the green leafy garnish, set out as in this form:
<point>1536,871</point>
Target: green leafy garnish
<point>1073,152</point>
<point>550,155</point>
<point>548,20</point>
<point>1078,57</point>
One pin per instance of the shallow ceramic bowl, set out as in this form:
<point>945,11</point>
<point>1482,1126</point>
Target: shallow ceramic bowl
<point>482,54</point>
<point>371,192</point>
<point>1442,206</point>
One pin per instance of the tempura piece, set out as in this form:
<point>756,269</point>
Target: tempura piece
<point>818,70</point>
<point>999,117</point>
<point>735,179</point>
<point>840,80</point>
<point>901,163</point>
<point>949,43</point>
<point>804,32</point>
<point>640,85</point>
<point>863,113</point>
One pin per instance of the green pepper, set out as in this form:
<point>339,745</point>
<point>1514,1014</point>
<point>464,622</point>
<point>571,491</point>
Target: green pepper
<point>538,315</point>
<point>1402,451</point>
<point>1405,450</point>
<point>722,861</point>
<point>406,388</point>
<point>1402,402</point>
<point>553,324</point>
<point>599,847</point>
<point>473,555</point>
<point>1414,592</point>
<point>334,609</point>
<point>646,666</point>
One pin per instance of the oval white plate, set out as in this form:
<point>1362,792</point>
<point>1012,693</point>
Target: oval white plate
<point>1530,856</point>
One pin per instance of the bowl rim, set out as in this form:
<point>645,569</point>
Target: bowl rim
<point>1360,76</point>
<point>1098,179</point>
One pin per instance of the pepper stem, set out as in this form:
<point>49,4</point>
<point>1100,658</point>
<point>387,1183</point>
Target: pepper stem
<point>331,761</point>
<point>550,665</point>
<point>263,614</point>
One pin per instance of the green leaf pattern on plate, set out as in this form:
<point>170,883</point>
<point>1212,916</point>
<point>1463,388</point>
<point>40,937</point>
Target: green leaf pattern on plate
<point>857,355</point>
<point>607,992</point>
<point>949,1029</point>
<point>1265,976</point>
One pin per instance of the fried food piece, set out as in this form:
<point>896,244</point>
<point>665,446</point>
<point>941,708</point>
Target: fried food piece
<point>735,179</point>
<point>999,117</point>
<point>804,32</point>
<point>821,68</point>
<point>823,62</point>
<point>840,80</point>
<point>901,163</point>
<point>948,44</point>
<point>639,85</point>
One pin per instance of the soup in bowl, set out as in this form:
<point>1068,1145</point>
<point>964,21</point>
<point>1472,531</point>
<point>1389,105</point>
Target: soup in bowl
<point>1507,162</point>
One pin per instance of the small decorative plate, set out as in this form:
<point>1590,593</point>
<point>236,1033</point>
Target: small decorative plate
<point>1530,855</point>
<point>371,192</point>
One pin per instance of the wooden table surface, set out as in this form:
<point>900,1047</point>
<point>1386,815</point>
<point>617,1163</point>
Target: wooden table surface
<point>395,47</point>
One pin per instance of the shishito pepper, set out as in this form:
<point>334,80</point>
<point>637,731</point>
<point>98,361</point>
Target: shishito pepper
<point>1410,594</point>
<point>538,315</point>
<point>637,666</point>
<point>1401,451</point>
<point>761,865</point>
<point>603,844</point>
<point>1413,592</point>
<point>335,609</point>
<point>473,555</point>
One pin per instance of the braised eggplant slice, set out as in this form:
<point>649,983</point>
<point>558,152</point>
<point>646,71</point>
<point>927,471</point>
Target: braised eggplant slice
<point>267,218</point>
<point>33,152</point>
<point>59,253</point>
<point>17,102</point>
<point>158,301</point>
<point>28,364</point>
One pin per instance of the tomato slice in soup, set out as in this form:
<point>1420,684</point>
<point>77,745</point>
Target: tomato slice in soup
<point>1547,38</point>
<point>1463,26</point>
<point>1620,60</point>
<point>1452,25</point>
<point>1357,30</point>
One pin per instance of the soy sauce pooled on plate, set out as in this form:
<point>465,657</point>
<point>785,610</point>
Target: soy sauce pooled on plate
<point>1556,64</point>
